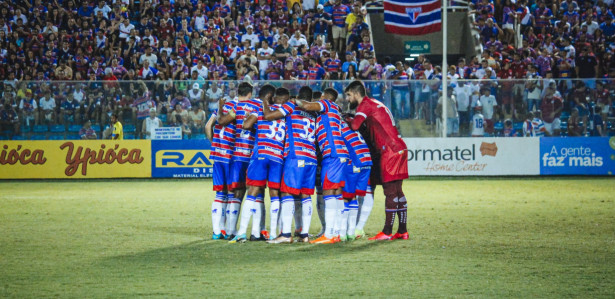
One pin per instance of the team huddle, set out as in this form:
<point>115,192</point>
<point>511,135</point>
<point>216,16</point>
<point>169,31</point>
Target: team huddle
<point>294,146</point>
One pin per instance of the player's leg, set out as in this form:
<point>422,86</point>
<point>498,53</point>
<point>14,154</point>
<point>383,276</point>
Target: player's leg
<point>297,215</point>
<point>237,183</point>
<point>307,189</point>
<point>348,193</point>
<point>365,200</point>
<point>258,217</point>
<point>353,211</point>
<point>247,210</point>
<point>402,213</point>
<point>332,181</point>
<point>274,178</point>
<point>256,180</point>
<point>320,202</point>
<point>390,208</point>
<point>218,206</point>
<point>286,215</point>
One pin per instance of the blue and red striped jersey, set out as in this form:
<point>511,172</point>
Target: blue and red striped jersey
<point>329,130</point>
<point>223,143</point>
<point>333,65</point>
<point>357,148</point>
<point>244,139</point>
<point>270,137</point>
<point>300,131</point>
<point>339,14</point>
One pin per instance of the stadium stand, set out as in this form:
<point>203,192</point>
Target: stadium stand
<point>70,61</point>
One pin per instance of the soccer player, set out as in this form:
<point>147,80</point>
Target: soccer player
<point>334,159</point>
<point>220,130</point>
<point>265,169</point>
<point>244,142</point>
<point>357,179</point>
<point>299,173</point>
<point>392,152</point>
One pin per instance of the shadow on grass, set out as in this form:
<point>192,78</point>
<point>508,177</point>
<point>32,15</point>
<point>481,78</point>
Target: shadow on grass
<point>211,253</point>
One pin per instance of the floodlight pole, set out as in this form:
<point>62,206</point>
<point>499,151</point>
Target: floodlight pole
<point>444,67</point>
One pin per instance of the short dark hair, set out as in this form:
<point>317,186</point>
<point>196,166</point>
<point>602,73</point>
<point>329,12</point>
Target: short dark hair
<point>332,92</point>
<point>305,93</point>
<point>266,90</point>
<point>244,89</point>
<point>316,95</point>
<point>282,91</point>
<point>356,86</point>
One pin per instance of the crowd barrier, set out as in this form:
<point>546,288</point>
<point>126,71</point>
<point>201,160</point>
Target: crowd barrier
<point>190,158</point>
<point>510,156</point>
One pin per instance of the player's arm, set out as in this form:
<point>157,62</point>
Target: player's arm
<point>209,127</point>
<point>309,106</point>
<point>271,114</point>
<point>357,121</point>
<point>224,119</point>
<point>249,122</point>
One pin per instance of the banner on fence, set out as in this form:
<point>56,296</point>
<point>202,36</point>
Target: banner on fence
<point>167,133</point>
<point>472,156</point>
<point>75,159</point>
<point>577,156</point>
<point>181,159</point>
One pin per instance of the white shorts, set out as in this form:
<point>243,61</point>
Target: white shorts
<point>555,125</point>
<point>338,32</point>
<point>507,26</point>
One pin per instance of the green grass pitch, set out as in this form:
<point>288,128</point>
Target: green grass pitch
<point>475,237</point>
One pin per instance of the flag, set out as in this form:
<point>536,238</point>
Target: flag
<point>412,17</point>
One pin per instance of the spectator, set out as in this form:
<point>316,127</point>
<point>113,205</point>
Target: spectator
<point>575,129</point>
<point>196,95</point>
<point>551,107</point>
<point>596,123</point>
<point>197,117</point>
<point>47,105</point>
<point>451,117</point>
<point>508,130</point>
<point>150,123</point>
<point>214,94</point>
<point>265,53</point>
<point>117,131</point>
<point>489,105</point>
<point>9,119</point>
<point>29,109</point>
<point>86,131</point>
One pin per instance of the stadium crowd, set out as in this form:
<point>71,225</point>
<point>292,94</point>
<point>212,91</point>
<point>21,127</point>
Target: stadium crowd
<point>176,57</point>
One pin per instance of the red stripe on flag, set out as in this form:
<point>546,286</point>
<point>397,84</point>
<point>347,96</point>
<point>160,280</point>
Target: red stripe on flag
<point>402,8</point>
<point>413,31</point>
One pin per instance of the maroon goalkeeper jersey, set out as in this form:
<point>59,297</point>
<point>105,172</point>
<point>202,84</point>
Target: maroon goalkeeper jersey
<point>387,141</point>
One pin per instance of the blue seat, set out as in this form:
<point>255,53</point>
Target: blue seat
<point>57,129</point>
<point>73,137</point>
<point>40,129</point>
<point>129,136</point>
<point>163,118</point>
<point>3,137</point>
<point>518,126</point>
<point>38,137</point>
<point>25,129</point>
<point>19,137</point>
<point>96,128</point>
<point>56,137</point>
<point>74,128</point>
<point>198,136</point>
<point>498,126</point>
<point>129,129</point>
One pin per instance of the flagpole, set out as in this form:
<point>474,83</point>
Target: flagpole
<point>444,67</point>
